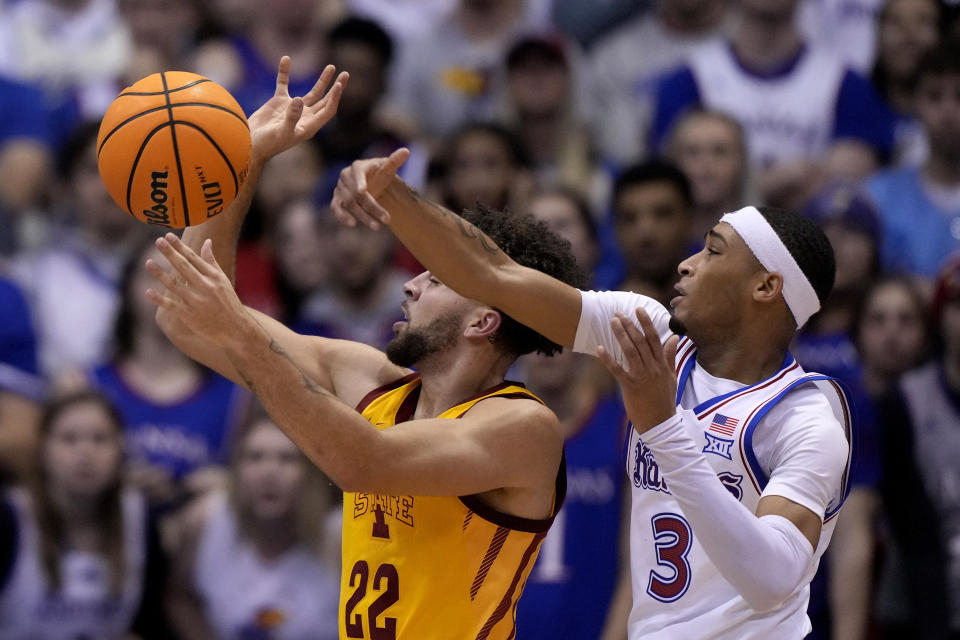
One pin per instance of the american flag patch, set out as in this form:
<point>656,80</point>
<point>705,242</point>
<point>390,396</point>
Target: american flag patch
<point>723,425</point>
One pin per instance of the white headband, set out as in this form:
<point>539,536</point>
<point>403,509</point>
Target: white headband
<point>769,249</point>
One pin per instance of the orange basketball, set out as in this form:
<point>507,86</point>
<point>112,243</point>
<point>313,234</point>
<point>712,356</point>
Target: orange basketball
<point>173,149</point>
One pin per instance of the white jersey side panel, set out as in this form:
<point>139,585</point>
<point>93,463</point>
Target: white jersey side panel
<point>788,117</point>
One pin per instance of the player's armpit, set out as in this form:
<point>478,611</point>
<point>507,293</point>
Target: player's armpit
<point>499,443</point>
<point>803,518</point>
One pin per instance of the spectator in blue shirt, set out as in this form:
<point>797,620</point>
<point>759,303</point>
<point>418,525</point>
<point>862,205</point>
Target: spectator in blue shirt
<point>920,206</point>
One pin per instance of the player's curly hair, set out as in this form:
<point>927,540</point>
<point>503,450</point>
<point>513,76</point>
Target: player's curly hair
<point>808,245</point>
<point>531,243</point>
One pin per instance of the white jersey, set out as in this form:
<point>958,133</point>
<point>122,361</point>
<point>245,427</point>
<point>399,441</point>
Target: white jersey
<point>83,607</point>
<point>293,597</point>
<point>761,439</point>
<point>787,117</point>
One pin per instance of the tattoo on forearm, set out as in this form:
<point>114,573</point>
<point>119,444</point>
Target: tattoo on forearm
<point>247,380</point>
<point>467,229</point>
<point>308,382</point>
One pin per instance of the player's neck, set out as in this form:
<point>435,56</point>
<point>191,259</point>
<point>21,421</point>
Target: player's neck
<point>741,358</point>
<point>448,383</point>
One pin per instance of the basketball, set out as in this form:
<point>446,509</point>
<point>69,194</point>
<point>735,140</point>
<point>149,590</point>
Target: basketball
<point>173,149</point>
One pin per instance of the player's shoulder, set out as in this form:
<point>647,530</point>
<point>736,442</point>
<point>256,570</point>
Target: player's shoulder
<point>813,395</point>
<point>815,410</point>
<point>517,411</point>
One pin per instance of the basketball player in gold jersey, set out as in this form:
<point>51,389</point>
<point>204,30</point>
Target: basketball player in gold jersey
<point>451,475</point>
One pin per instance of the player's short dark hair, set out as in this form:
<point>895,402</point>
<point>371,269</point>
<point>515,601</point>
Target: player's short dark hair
<point>808,245</point>
<point>942,60</point>
<point>367,32</point>
<point>531,243</point>
<point>657,170</point>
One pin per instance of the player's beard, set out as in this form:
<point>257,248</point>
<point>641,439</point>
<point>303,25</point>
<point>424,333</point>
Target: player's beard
<point>415,345</point>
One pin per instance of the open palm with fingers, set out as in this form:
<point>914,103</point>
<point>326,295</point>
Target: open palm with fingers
<point>283,121</point>
<point>648,378</point>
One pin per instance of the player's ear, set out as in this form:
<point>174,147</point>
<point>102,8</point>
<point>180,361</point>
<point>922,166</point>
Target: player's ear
<point>767,287</point>
<point>484,324</point>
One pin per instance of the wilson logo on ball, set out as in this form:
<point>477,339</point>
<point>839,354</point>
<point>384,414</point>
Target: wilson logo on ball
<point>157,214</point>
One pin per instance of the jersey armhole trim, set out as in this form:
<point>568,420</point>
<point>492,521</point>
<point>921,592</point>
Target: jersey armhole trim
<point>379,391</point>
<point>517,523</point>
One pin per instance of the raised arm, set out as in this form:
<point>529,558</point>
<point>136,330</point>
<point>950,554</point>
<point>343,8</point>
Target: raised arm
<point>347,369</point>
<point>488,449</point>
<point>455,251</point>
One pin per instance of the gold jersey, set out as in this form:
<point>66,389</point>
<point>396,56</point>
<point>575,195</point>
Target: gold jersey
<point>427,567</point>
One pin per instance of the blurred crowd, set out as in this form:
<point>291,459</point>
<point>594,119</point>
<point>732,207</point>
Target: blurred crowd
<point>144,496</point>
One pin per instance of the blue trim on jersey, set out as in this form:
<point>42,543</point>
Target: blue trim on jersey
<point>788,361</point>
<point>851,432</point>
<point>685,374</point>
<point>748,431</point>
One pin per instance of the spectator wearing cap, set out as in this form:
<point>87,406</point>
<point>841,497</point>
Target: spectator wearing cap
<point>920,206</point>
<point>542,106</point>
<point>920,427</point>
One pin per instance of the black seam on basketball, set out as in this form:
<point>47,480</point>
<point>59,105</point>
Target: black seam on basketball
<point>176,154</point>
<point>236,183</point>
<point>177,104</point>
<point>160,93</point>
<point>136,161</point>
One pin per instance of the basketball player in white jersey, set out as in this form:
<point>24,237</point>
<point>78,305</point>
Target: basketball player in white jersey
<point>738,458</point>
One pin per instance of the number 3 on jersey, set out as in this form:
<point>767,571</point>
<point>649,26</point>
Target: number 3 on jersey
<point>387,582</point>
<point>673,538</point>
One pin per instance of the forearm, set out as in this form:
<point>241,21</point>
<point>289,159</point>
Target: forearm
<point>765,558</point>
<point>455,251</point>
<point>333,435</point>
<point>224,229</point>
<point>469,262</point>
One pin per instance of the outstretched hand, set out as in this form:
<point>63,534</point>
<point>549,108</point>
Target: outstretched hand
<point>649,380</point>
<point>282,121</point>
<point>196,293</point>
<point>359,186</point>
